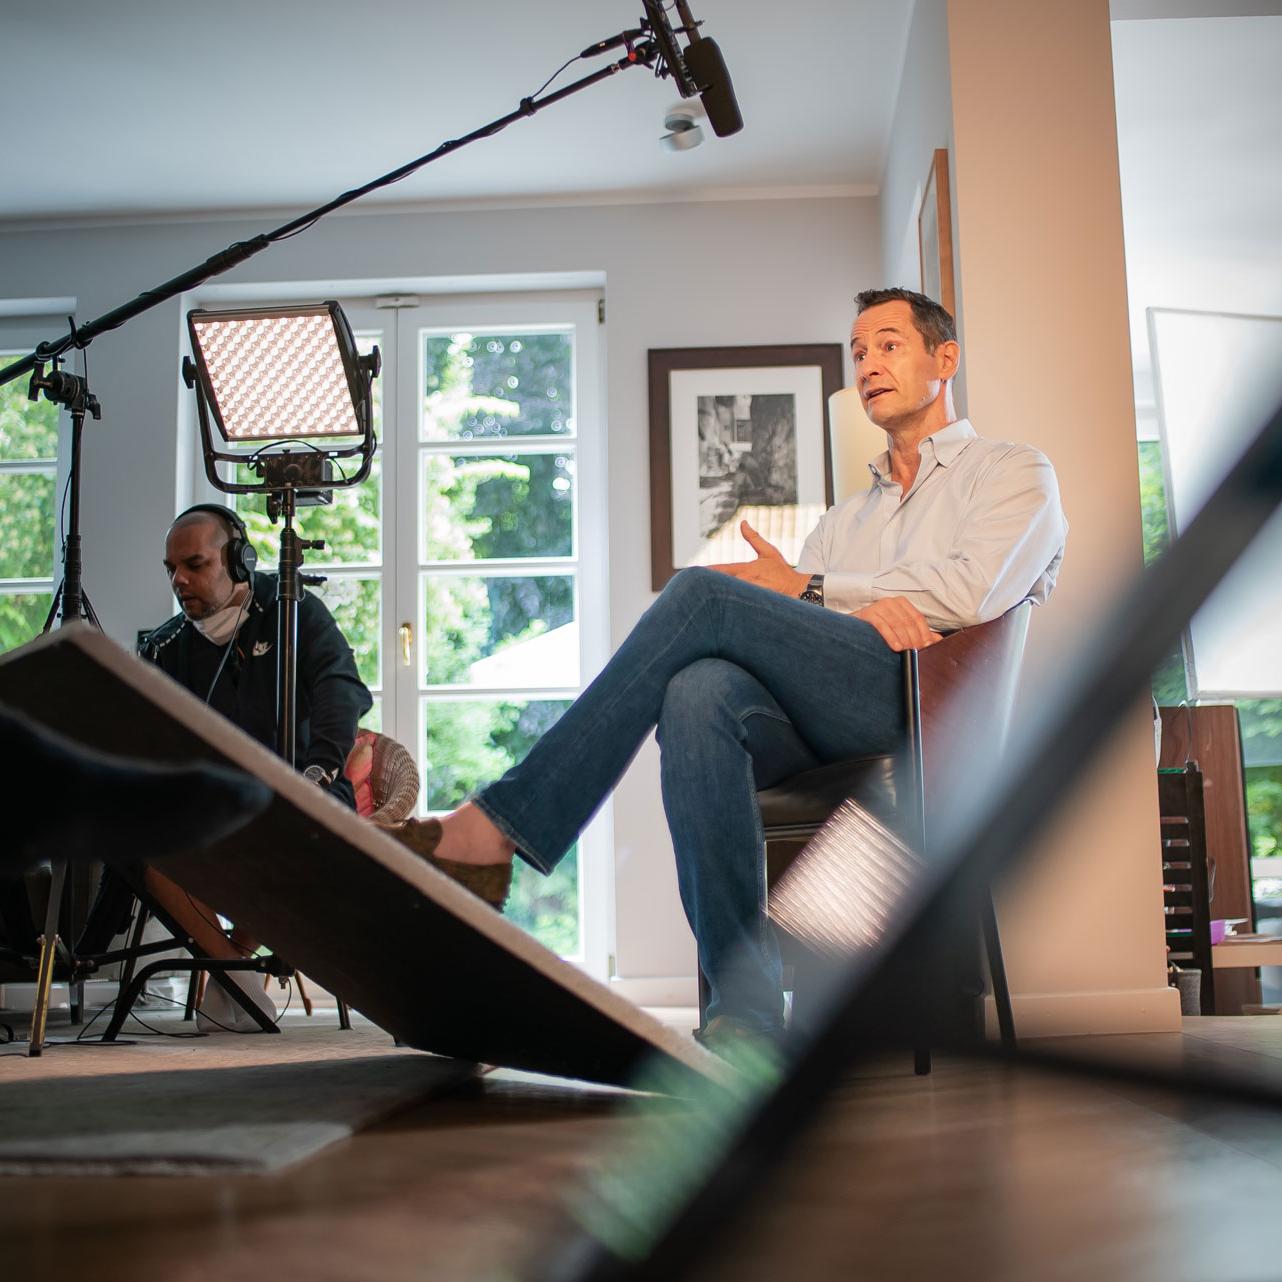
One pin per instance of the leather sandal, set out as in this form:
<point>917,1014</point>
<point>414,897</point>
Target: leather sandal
<point>489,882</point>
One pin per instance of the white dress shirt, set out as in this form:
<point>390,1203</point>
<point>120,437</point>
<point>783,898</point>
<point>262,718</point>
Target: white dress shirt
<point>980,530</point>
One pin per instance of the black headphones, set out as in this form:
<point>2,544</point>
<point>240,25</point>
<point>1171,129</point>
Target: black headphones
<point>241,557</point>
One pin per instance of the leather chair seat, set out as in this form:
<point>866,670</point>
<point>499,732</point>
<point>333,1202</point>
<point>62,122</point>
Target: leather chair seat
<point>806,800</point>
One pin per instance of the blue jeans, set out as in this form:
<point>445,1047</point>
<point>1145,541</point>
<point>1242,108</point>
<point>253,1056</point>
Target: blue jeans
<point>746,687</point>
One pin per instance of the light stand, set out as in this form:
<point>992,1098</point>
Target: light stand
<point>72,392</point>
<point>256,372</point>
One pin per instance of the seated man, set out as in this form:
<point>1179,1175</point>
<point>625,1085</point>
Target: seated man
<point>755,672</point>
<point>222,647</point>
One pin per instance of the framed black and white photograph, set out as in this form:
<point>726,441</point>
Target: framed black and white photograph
<point>737,433</point>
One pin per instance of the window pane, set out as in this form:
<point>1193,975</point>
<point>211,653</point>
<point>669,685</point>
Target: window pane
<point>493,386</point>
<point>547,907</point>
<point>22,617</point>
<point>355,604</point>
<point>26,525</point>
<point>513,505</point>
<point>510,632</point>
<point>28,429</point>
<point>373,719</point>
<point>351,526</point>
<point>467,744</point>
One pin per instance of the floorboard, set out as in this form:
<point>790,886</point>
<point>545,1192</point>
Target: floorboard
<point>974,1172</point>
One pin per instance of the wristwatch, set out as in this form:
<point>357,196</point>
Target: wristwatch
<point>319,775</point>
<point>814,592</point>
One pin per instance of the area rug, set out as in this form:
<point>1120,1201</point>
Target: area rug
<point>220,1105</point>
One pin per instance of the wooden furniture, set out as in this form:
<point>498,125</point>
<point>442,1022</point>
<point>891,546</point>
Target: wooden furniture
<point>1209,736</point>
<point>959,695</point>
<point>1185,891</point>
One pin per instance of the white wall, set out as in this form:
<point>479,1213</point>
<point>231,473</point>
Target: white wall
<point>1043,288</point>
<point>690,274</point>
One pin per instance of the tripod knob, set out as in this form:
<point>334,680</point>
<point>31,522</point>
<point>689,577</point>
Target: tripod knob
<point>317,545</point>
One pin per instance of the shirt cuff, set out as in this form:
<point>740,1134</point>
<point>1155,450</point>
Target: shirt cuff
<point>848,591</point>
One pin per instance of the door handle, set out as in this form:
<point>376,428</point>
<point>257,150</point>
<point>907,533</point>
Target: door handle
<point>406,631</point>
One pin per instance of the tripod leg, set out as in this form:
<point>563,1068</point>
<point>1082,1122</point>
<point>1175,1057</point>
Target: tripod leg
<point>193,984</point>
<point>121,1010</point>
<point>48,951</point>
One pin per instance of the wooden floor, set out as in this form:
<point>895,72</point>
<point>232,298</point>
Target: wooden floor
<point>973,1172</point>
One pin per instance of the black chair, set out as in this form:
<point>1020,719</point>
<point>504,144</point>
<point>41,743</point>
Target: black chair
<point>901,790</point>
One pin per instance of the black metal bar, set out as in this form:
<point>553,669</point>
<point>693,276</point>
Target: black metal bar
<point>989,833</point>
<point>289,593</point>
<point>997,973</point>
<point>344,1016</point>
<point>121,1009</point>
<point>72,566</point>
<point>217,968</point>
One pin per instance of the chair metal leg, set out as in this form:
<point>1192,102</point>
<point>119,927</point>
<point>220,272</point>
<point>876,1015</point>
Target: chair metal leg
<point>344,1016</point>
<point>193,996</point>
<point>48,952</point>
<point>997,973</point>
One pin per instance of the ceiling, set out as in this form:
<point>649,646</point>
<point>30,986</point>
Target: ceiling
<point>171,107</point>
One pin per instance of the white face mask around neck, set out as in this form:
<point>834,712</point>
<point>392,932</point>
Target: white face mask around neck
<point>219,628</point>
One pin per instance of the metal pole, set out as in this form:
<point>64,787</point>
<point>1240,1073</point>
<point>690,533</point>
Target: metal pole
<point>289,593</point>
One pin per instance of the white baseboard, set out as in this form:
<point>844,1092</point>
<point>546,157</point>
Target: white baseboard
<point>1134,1010</point>
<point>657,990</point>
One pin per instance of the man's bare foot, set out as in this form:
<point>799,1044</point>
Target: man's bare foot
<point>468,837</point>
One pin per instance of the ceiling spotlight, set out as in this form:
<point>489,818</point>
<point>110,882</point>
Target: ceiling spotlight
<point>683,133</point>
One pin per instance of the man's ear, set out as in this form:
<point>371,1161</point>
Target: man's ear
<point>949,356</point>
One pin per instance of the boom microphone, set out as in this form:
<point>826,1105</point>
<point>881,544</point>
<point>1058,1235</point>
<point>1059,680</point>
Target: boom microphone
<point>699,70</point>
<point>708,70</point>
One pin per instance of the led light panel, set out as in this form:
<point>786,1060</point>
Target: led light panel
<point>275,376</point>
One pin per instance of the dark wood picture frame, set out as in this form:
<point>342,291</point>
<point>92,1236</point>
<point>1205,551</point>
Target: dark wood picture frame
<point>663,362</point>
<point>935,235</point>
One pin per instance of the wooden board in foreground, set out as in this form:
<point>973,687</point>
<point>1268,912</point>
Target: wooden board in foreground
<point>343,901</point>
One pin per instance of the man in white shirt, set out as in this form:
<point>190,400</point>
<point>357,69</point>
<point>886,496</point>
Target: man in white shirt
<point>754,672</point>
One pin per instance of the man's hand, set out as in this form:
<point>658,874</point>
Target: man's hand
<point>769,570</point>
<point>901,624</point>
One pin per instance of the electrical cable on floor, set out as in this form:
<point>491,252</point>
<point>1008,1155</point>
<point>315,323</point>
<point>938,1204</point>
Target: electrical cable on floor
<point>152,1031</point>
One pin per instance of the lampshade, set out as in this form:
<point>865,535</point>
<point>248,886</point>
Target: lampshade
<point>855,441</point>
<point>277,373</point>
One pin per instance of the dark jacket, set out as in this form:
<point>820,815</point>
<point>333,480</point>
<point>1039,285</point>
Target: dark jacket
<point>331,696</point>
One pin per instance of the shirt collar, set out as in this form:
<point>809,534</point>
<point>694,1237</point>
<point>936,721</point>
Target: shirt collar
<point>946,445</point>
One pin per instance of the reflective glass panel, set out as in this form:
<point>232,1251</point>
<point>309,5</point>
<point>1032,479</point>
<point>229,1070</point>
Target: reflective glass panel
<point>499,631</point>
<point>480,387</point>
<point>351,526</point>
<point>355,604</point>
<point>28,429</point>
<point>496,505</point>
<point>26,525</point>
<point>469,743</point>
<point>22,616</point>
<point>547,907</point>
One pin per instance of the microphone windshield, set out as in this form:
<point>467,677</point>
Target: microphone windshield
<point>707,69</point>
